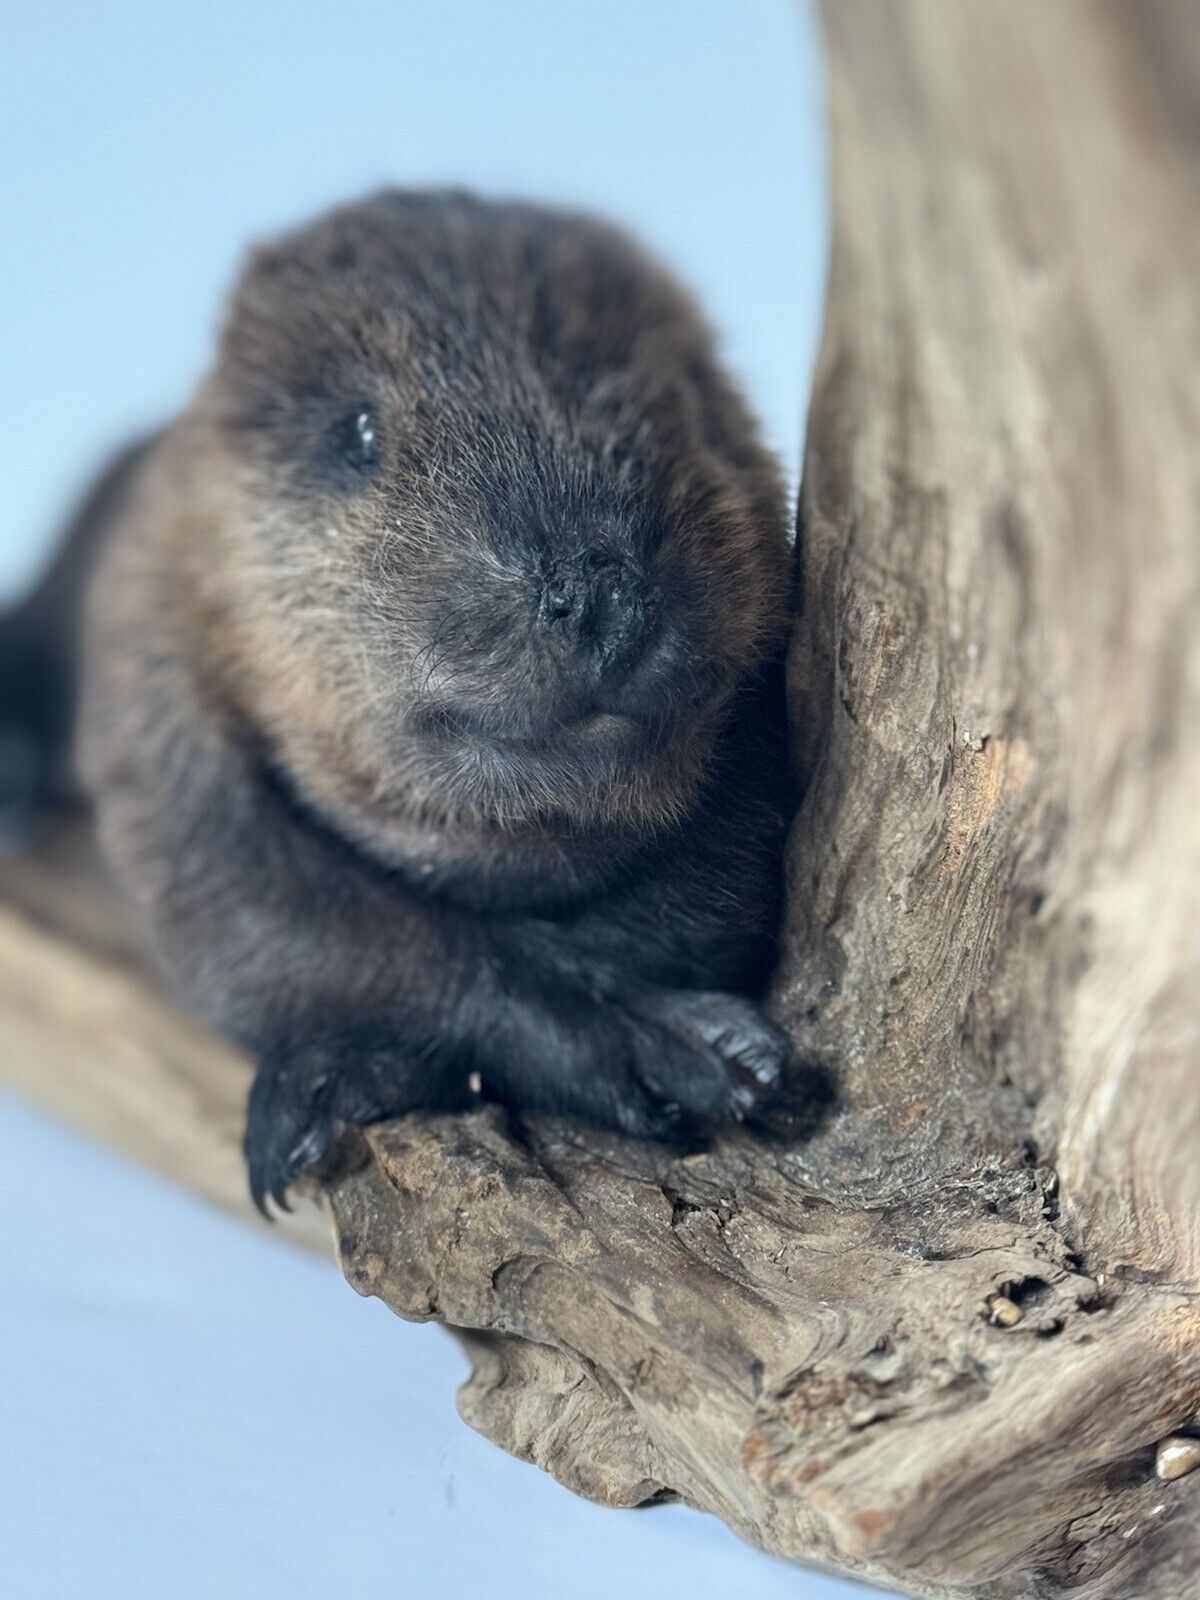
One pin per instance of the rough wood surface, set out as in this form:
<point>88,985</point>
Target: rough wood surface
<point>935,1337</point>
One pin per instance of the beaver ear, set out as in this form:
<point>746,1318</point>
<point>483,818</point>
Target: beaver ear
<point>266,261</point>
<point>342,256</point>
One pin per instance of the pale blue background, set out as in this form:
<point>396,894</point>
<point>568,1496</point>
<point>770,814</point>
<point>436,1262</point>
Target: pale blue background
<point>144,143</point>
<point>189,1410</point>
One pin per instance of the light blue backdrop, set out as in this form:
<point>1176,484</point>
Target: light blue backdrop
<point>145,143</point>
<point>188,1409</point>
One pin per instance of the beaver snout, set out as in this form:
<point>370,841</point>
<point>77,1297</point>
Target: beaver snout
<point>600,613</point>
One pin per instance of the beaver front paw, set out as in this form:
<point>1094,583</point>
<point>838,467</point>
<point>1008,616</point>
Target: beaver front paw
<point>304,1094</point>
<point>714,1056</point>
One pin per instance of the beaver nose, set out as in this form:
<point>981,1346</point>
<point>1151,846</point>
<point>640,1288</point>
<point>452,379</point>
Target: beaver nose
<point>600,609</point>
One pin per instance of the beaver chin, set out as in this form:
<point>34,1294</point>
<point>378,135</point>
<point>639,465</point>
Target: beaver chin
<point>603,732</point>
<point>503,808</point>
<point>526,823</point>
<point>602,769</point>
<point>593,766</point>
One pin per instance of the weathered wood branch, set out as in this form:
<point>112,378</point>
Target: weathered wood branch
<point>935,1338</point>
<point>87,1032</point>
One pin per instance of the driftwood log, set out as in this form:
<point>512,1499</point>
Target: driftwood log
<point>945,1332</point>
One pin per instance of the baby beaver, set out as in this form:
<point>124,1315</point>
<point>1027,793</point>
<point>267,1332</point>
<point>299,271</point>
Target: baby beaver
<point>431,699</point>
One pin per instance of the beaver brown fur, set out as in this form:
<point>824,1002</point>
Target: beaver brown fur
<point>431,701</point>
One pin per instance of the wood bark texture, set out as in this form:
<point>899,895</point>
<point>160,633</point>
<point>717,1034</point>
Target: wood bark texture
<point>933,1331</point>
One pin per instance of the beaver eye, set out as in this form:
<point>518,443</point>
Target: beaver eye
<point>357,439</point>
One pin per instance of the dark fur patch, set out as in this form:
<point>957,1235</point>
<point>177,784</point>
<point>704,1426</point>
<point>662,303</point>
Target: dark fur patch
<point>472,734</point>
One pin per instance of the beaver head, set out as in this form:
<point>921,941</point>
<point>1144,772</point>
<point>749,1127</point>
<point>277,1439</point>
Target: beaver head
<point>496,542</point>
